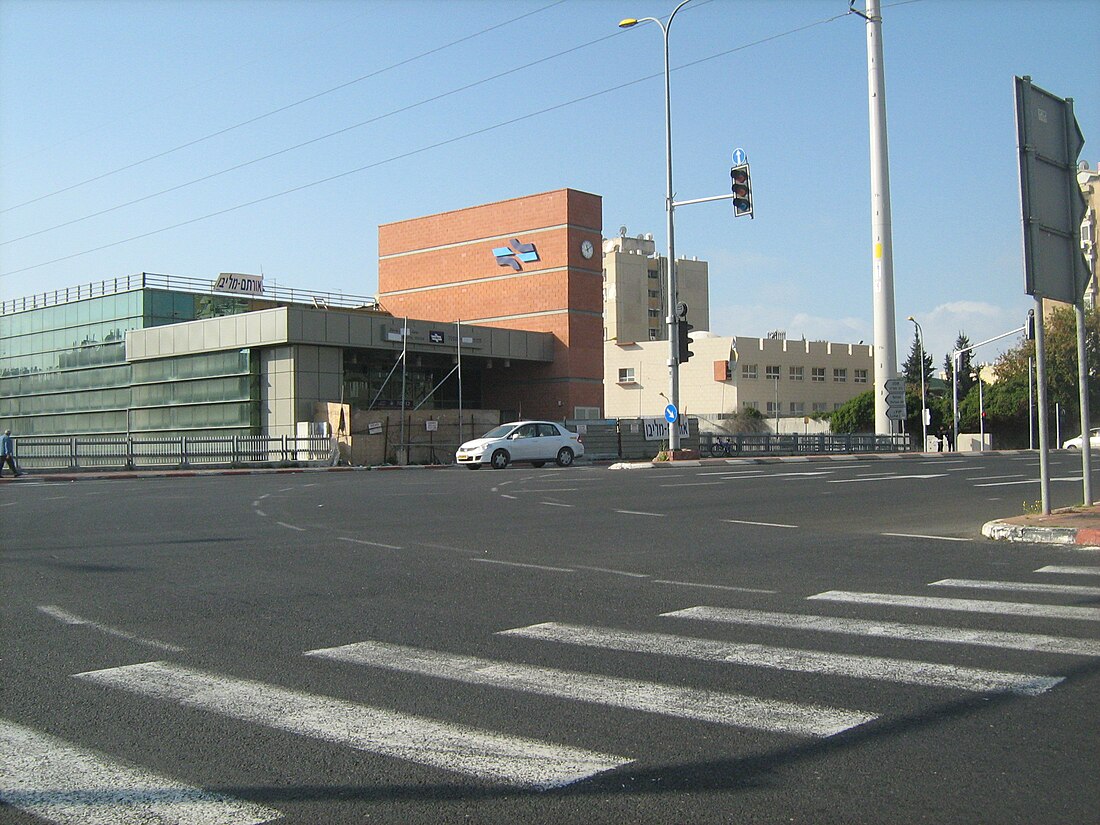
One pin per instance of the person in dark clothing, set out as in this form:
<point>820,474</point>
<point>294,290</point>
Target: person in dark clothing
<point>7,454</point>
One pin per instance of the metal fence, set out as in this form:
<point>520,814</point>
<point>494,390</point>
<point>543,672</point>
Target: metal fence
<point>119,452</point>
<point>751,444</point>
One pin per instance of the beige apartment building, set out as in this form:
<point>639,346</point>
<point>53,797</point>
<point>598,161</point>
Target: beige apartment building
<point>635,294</point>
<point>795,378</point>
<point>1089,181</point>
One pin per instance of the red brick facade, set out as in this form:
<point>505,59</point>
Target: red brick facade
<point>442,268</point>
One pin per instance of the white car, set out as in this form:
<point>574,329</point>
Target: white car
<point>1075,443</point>
<point>533,442</point>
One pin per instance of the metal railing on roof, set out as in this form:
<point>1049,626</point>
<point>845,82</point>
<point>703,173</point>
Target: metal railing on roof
<point>181,283</point>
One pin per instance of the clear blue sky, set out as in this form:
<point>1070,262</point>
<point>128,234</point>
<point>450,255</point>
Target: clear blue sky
<point>90,87</point>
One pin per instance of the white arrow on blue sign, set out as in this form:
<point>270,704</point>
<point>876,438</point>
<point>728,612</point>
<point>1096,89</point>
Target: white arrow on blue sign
<point>739,156</point>
<point>671,414</point>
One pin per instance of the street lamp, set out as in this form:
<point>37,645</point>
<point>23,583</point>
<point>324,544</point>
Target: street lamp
<point>673,321</point>
<point>923,403</point>
<point>977,376</point>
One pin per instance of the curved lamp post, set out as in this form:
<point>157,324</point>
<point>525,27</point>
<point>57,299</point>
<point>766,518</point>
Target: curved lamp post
<point>923,403</point>
<point>673,321</point>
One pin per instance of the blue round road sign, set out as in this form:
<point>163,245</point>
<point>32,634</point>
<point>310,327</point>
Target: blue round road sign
<point>670,414</point>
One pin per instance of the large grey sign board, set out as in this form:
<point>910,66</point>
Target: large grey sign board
<point>1049,141</point>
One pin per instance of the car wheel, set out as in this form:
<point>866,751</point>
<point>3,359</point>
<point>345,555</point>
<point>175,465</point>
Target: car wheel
<point>565,457</point>
<point>500,459</point>
<point>538,463</point>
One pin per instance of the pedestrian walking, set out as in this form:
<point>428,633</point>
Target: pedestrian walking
<point>7,454</point>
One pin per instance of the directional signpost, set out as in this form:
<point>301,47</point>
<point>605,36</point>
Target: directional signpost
<point>895,398</point>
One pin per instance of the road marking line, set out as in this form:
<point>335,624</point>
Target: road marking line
<point>995,478</point>
<point>615,572</point>
<point>69,618</point>
<point>552,490</point>
<point>371,543</point>
<point>650,697</point>
<point>894,630</point>
<point>884,478</point>
<point>945,461</point>
<point>929,674</point>
<point>692,484</point>
<point>63,783</point>
<point>483,754</point>
<point>714,586</point>
<point>758,523</point>
<point>734,473</point>
<point>639,513</point>
<point>505,495</point>
<point>1025,481</point>
<point>1048,611</point>
<point>1022,587</point>
<point>555,504</point>
<point>1072,570</point>
<point>261,513</point>
<point>529,566</point>
<point>291,526</point>
<point>924,536</point>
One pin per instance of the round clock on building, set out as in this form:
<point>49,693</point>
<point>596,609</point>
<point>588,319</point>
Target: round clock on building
<point>587,249</point>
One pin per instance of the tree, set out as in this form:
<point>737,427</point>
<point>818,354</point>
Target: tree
<point>856,416</point>
<point>965,367</point>
<point>912,366</point>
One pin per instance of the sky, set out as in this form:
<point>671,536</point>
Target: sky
<point>195,137</point>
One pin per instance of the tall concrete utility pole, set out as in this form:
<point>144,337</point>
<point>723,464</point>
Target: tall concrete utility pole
<point>886,361</point>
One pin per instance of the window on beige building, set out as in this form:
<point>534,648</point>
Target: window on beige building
<point>840,374</point>
<point>820,406</point>
<point>795,373</point>
<point>798,407</point>
<point>817,374</point>
<point>859,376</point>
<point>652,334</point>
<point>748,371</point>
<point>751,405</point>
<point>771,373</point>
<point>626,375</point>
<point>771,408</point>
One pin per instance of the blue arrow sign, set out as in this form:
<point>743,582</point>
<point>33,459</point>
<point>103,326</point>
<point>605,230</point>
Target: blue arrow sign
<point>671,414</point>
<point>739,156</point>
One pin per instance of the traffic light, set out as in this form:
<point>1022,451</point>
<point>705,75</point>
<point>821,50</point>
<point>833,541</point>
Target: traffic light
<point>682,330</point>
<point>741,186</point>
<point>1029,325</point>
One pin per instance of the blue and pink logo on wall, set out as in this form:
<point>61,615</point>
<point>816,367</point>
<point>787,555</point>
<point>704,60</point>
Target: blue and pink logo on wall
<point>515,252</point>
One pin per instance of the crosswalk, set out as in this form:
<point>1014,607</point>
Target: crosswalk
<point>66,782</point>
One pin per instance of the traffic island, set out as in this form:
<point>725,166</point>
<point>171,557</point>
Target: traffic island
<point>1070,525</point>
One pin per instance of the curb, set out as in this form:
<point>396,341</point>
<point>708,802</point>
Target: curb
<point>1006,531</point>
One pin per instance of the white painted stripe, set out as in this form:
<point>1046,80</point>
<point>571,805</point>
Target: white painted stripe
<point>1069,569</point>
<point>505,495</point>
<point>650,697</point>
<point>929,674</point>
<point>926,536</point>
<point>69,618</point>
<point>291,526</point>
<point>1027,481</point>
<point>369,543</point>
<point>693,484</point>
<point>995,478</point>
<point>555,504</point>
<point>893,630</point>
<point>1047,611</point>
<point>528,566</point>
<point>261,513</point>
<point>639,513</point>
<point>884,478</point>
<point>70,785</point>
<point>1022,587</point>
<point>758,523</point>
<point>483,754</point>
<point>614,572</point>
<point>714,586</point>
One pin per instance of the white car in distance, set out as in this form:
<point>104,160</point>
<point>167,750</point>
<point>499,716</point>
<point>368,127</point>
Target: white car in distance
<point>530,442</point>
<point>1075,443</point>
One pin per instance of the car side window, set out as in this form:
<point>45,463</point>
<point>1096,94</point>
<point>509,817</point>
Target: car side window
<point>526,431</point>
<point>548,431</point>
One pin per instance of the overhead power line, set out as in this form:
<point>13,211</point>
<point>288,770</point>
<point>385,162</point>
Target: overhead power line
<point>281,109</point>
<point>436,145</point>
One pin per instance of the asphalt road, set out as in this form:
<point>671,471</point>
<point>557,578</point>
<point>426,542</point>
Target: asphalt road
<point>821,641</point>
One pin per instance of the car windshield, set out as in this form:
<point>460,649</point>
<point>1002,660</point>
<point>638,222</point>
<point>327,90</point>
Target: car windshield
<point>499,432</point>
